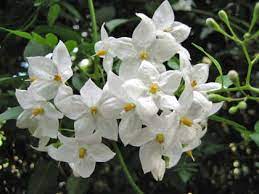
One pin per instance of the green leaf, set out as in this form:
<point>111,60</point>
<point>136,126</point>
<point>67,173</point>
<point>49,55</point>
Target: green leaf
<point>77,81</point>
<point>111,25</point>
<point>76,185</point>
<point>19,33</point>
<point>185,175</point>
<point>226,81</point>
<point>215,62</point>
<point>70,44</point>
<point>38,38</point>
<point>51,39</point>
<point>10,113</point>
<point>257,126</point>
<point>44,178</point>
<point>173,63</point>
<point>255,138</point>
<point>35,49</point>
<point>53,14</point>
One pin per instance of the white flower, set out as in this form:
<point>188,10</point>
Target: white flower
<point>144,45</point>
<point>198,75</point>
<point>159,149</point>
<point>160,87</point>
<point>135,109</point>
<point>103,49</point>
<point>184,5</point>
<point>93,110</point>
<point>164,22</point>
<point>48,74</point>
<point>81,153</point>
<point>39,116</point>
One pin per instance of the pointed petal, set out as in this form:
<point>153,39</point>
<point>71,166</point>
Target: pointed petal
<point>65,153</point>
<point>159,169</point>
<point>167,102</point>
<point>200,73</point>
<point>84,126</point>
<point>169,81</point>
<point>207,87</point>
<point>84,167</point>
<point>142,136</point>
<point>46,88</point>
<point>100,152</point>
<point>108,128</point>
<point>180,31</point>
<point>104,34</point>
<point>24,120</point>
<point>108,63</point>
<point>148,73</point>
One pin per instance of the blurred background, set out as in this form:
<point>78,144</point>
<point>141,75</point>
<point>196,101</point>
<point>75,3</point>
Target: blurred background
<point>225,163</point>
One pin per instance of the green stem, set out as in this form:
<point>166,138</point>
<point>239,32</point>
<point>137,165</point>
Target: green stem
<point>125,169</point>
<point>93,19</point>
<point>250,64</point>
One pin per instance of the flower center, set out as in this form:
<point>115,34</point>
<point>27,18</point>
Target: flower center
<point>57,78</point>
<point>129,106</point>
<point>153,88</point>
<point>101,53</point>
<point>194,83</point>
<point>160,138</point>
<point>186,121</point>
<point>93,110</point>
<point>37,111</point>
<point>189,153</point>
<point>143,55</point>
<point>82,153</point>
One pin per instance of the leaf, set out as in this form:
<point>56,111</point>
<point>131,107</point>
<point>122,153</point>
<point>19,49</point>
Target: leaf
<point>53,14</point>
<point>77,81</point>
<point>173,63</point>
<point>10,113</point>
<point>72,10</point>
<point>226,81</point>
<point>38,38</point>
<point>76,185</point>
<point>257,126</point>
<point>44,178</point>
<point>215,62</point>
<point>111,25</point>
<point>185,175</point>
<point>51,39</point>
<point>19,33</point>
<point>70,44</point>
<point>255,138</point>
<point>35,49</point>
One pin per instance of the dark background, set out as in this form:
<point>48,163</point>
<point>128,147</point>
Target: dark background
<point>225,164</point>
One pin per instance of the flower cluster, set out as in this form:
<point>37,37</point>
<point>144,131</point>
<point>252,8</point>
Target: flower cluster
<point>139,104</point>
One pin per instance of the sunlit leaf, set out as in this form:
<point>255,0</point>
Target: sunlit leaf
<point>10,113</point>
<point>226,81</point>
<point>53,14</point>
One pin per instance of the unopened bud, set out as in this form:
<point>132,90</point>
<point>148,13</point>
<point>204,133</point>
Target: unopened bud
<point>216,98</point>
<point>213,24</point>
<point>242,105</point>
<point>233,75</point>
<point>223,16</point>
<point>206,60</point>
<point>232,110</point>
<point>247,35</point>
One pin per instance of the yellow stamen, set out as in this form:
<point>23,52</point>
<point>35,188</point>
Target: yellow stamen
<point>189,153</point>
<point>82,153</point>
<point>129,106</point>
<point>93,110</point>
<point>168,29</point>
<point>37,111</point>
<point>160,138</point>
<point>186,121</point>
<point>101,53</point>
<point>143,55</point>
<point>57,78</point>
<point>153,88</point>
<point>32,79</point>
<point>194,83</point>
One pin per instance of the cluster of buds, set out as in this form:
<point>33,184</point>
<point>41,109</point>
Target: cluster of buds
<point>139,105</point>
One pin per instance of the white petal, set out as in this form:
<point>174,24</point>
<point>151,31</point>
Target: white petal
<point>200,73</point>
<point>41,68</point>
<point>144,34</point>
<point>169,81</point>
<point>134,88</point>
<point>215,108</point>
<point>186,98</point>
<point>114,84</point>
<point>99,46</point>
<point>108,128</point>
<point>167,102</point>
<point>148,153</point>
<point>207,87</point>
<point>123,49</point>
<point>51,111</point>
<point>148,73</point>
<point>163,16</point>
<point>65,153</point>
<point>104,34</point>
<point>46,88</point>
<point>84,167</point>
<point>25,120</point>
<point>142,136</point>
<point>174,153</point>
<point>180,31</point>
<point>107,63</point>
<point>94,138</point>
<point>128,69</point>
<point>42,145</point>
<point>130,123</point>
<point>91,93</point>
<point>159,169</point>
<point>47,127</point>
<point>63,61</point>
<point>25,99</point>
<point>84,126</point>
<point>146,108</point>
<point>100,152</point>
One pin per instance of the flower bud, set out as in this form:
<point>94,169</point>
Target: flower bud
<point>216,98</point>
<point>223,16</point>
<point>242,105</point>
<point>233,75</point>
<point>213,24</point>
<point>232,110</point>
<point>206,60</point>
<point>247,35</point>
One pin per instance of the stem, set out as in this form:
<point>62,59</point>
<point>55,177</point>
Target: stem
<point>250,65</point>
<point>93,18</point>
<point>125,169</point>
